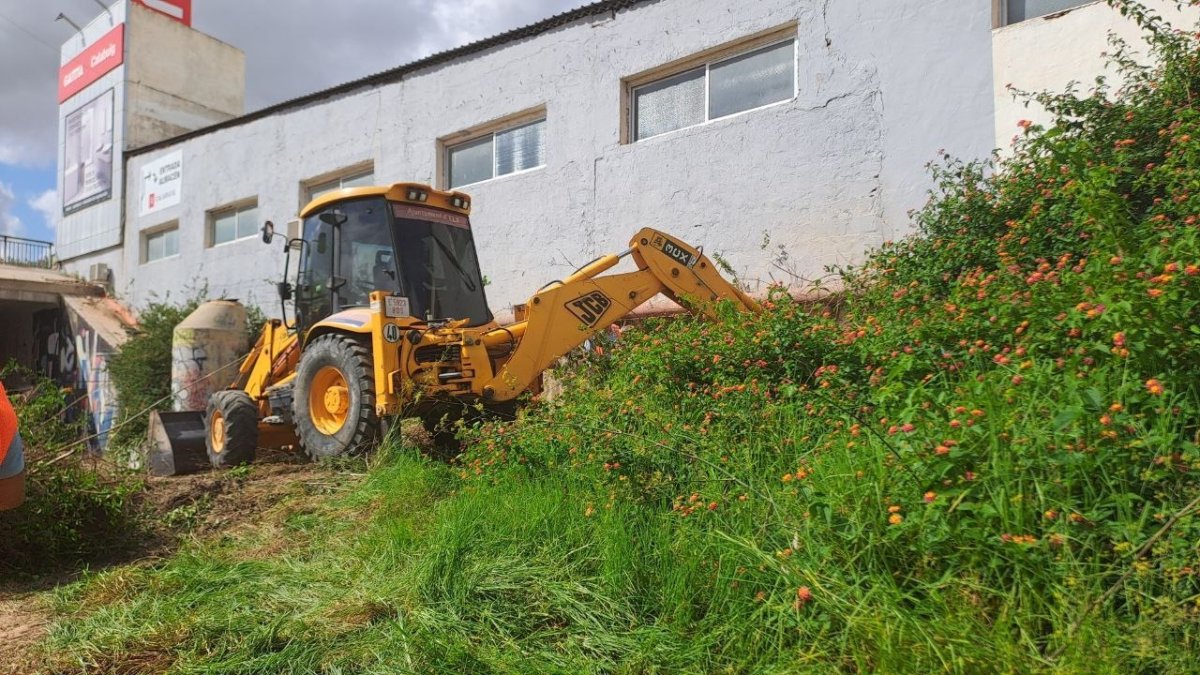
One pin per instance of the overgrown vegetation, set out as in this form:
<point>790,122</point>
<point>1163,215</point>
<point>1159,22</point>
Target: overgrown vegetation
<point>987,460</point>
<point>73,513</point>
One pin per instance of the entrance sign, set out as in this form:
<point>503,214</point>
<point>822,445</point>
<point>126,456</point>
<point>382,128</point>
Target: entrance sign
<point>162,183</point>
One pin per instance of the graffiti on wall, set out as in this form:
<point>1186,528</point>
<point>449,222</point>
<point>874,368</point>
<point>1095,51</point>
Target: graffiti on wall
<point>55,346</point>
<point>189,377</point>
<point>77,359</point>
<point>93,354</point>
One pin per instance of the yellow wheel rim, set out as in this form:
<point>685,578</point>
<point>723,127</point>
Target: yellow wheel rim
<point>216,433</point>
<point>328,400</point>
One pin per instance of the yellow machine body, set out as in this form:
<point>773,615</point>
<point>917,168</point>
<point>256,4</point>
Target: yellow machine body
<point>417,365</point>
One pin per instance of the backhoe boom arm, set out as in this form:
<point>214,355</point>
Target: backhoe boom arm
<point>563,315</point>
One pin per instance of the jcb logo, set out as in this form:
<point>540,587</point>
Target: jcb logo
<point>590,307</point>
<point>678,254</point>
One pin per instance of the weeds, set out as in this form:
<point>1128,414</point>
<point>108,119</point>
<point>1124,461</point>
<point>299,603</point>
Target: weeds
<point>73,513</point>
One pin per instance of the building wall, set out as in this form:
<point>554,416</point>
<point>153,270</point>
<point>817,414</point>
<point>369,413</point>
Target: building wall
<point>172,79</point>
<point>98,226</point>
<point>179,79</point>
<point>1048,53</point>
<point>819,178</point>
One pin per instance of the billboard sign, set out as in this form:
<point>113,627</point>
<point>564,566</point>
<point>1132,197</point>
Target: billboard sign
<point>180,10</point>
<point>92,63</point>
<point>162,183</point>
<point>88,154</point>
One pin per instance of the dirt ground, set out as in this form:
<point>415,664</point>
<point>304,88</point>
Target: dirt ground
<point>181,507</point>
<point>23,622</point>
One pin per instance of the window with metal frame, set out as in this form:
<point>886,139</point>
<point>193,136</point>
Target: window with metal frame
<point>718,88</point>
<point>160,244</point>
<point>512,150</point>
<point>1016,11</point>
<point>232,224</point>
<point>357,179</point>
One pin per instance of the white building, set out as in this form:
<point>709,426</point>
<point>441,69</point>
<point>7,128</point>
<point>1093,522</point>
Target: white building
<point>752,127</point>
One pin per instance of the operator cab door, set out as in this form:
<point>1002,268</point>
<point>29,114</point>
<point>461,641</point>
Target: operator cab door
<point>349,254</point>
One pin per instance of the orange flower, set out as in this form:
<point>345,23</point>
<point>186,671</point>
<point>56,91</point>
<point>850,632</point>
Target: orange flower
<point>930,496</point>
<point>1154,387</point>
<point>1154,292</point>
<point>893,509</point>
<point>895,519</point>
<point>803,594</point>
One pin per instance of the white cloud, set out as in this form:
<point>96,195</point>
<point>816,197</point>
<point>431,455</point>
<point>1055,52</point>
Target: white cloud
<point>9,223</point>
<point>47,205</point>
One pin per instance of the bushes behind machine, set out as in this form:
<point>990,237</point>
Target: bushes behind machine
<point>141,370</point>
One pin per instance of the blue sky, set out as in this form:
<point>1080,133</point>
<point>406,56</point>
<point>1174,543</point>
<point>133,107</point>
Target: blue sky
<point>31,188</point>
<point>267,30</point>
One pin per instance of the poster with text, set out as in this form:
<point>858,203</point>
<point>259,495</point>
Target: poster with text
<point>162,183</point>
<point>88,153</point>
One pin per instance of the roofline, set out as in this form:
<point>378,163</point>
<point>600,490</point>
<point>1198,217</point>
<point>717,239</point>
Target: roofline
<point>398,73</point>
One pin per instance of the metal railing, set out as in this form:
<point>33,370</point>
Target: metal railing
<point>26,252</point>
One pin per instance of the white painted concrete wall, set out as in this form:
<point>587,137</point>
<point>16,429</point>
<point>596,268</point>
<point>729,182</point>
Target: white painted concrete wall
<point>1048,53</point>
<point>882,87</point>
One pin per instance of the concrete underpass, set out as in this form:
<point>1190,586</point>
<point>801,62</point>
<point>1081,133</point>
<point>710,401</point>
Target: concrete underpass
<point>62,328</point>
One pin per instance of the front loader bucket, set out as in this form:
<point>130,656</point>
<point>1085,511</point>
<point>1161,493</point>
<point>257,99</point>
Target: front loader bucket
<point>175,442</point>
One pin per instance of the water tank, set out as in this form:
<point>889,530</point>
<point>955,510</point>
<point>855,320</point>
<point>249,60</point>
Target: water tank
<point>203,344</point>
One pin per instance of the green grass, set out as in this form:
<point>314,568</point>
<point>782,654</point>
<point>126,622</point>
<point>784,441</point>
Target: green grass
<point>983,459</point>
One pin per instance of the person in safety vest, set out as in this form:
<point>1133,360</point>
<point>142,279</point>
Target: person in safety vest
<point>12,456</point>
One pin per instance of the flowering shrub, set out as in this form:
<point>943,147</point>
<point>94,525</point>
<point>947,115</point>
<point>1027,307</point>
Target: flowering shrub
<point>1000,413</point>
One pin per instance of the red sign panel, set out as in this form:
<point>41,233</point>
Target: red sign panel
<point>93,63</point>
<point>180,10</point>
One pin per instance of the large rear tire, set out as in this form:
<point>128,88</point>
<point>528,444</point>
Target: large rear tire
<point>231,429</point>
<point>335,397</point>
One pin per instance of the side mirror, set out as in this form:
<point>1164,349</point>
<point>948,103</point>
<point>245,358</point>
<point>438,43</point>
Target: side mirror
<point>285,290</point>
<point>268,232</point>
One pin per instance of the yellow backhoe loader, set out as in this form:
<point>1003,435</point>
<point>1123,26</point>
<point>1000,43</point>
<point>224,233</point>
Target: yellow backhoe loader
<point>391,320</point>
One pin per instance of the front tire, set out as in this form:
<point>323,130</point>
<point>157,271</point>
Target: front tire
<point>335,397</point>
<point>231,429</point>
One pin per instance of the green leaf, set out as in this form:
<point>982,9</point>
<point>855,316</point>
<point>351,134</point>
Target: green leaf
<point>1064,418</point>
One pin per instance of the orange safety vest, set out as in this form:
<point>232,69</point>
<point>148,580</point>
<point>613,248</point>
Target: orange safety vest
<point>8,423</point>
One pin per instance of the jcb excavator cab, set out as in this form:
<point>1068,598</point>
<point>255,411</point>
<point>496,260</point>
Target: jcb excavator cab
<point>406,240</point>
